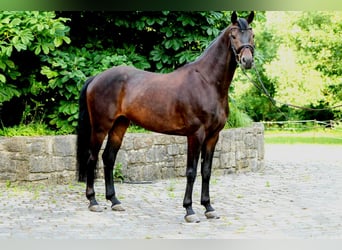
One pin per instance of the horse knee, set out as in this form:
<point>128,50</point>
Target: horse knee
<point>191,175</point>
<point>206,173</point>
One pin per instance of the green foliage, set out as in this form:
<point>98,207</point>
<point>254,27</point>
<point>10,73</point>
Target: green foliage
<point>136,129</point>
<point>316,67</point>
<point>117,173</point>
<point>166,39</point>
<point>67,71</point>
<point>32,129</point>
<point>8,184</point>
<point>39,32</point>
<point>237,118</point>
<point>322,47</point>
<point>185,39</point>
<point>300,63</point>
<point>7,91</point>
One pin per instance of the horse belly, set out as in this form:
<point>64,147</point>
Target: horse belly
<point>157,118</point>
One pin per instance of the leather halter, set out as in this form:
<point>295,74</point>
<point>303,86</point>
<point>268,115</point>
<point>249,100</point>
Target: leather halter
<point>238,50</point>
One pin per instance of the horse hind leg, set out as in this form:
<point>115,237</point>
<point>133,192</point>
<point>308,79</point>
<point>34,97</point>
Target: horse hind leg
<point>207,159</point>
<point>114,142</point>
<point>95,146</point>
<point>194,146</point>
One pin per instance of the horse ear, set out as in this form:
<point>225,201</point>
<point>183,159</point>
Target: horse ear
<point>233,17</point>
<point>250,17</point>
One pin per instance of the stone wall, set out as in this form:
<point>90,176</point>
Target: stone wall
<point>143,157</point>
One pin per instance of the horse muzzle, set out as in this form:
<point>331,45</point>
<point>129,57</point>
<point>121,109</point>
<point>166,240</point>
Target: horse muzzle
<point>247,62</point>
<point>246,56</point>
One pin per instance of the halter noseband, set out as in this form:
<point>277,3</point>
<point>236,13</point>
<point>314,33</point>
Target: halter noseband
<point>242,47</point>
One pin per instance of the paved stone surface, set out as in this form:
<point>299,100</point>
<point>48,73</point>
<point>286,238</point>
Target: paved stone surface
<point>297,195</point>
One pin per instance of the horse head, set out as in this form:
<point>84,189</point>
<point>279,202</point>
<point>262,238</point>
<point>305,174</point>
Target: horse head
<point>242,40</point>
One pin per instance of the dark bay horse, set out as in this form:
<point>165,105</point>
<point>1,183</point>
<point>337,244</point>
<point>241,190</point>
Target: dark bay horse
<point>192,101</point>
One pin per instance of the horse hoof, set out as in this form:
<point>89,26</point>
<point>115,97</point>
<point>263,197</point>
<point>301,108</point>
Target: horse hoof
<point>192,218</point>
<point>95,208</point>
<point>118,207</point>
<point>211,215</point>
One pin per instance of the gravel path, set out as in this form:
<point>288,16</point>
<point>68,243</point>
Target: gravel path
<point>297,195</point>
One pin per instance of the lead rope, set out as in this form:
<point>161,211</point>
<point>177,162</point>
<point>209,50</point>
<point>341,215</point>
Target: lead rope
<point>261,87</point>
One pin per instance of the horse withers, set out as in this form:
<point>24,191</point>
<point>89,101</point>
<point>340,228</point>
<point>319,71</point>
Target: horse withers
<point>191,101</point>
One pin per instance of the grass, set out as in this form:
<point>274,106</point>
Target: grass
<point>171,189</point>
<point>31,129</point>
<point>314,136</point>
<point>40,129</point>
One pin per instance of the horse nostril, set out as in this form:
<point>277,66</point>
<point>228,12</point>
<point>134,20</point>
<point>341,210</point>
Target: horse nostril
<point>246,62</point>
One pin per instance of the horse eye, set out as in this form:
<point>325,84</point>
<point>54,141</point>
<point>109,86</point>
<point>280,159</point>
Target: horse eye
<point>234,37</point>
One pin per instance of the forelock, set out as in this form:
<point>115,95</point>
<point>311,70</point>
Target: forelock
<point>243,25</point>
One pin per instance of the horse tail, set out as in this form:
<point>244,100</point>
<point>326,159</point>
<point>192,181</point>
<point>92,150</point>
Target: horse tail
<point>83,134</point>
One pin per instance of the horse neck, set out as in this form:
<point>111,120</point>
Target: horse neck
<point>217,64</point>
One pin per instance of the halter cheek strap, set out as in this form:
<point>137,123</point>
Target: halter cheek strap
<point>240,49</point>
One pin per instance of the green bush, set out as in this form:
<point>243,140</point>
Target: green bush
<point>237,118</point>
<point>38,32</point>
<point>32,129</point>
<point>67,71</point>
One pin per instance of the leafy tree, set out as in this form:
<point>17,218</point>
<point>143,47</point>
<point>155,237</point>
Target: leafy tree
<point>166,39</point>
<point>22,31</point>
<point>315,41</point>
<point>322,48</point>
<point>24,37</point>
<point>303,68</point>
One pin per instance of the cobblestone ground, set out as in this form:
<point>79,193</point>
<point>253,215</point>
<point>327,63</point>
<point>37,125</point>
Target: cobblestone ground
<point>297,195</point>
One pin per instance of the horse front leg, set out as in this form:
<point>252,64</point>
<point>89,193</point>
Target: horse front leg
<point>207,154</point>
<point>194,146</point>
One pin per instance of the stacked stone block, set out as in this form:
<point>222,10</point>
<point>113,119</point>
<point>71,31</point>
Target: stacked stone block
<point>143,156</point>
